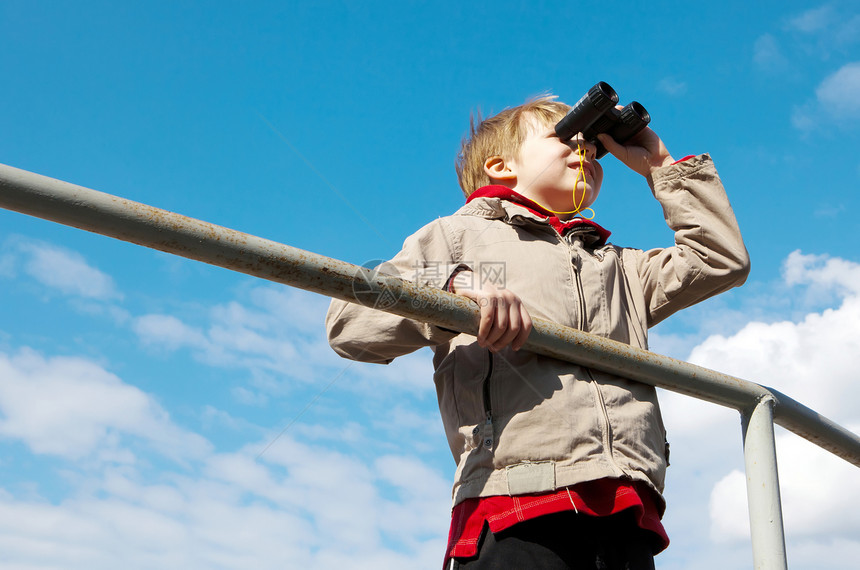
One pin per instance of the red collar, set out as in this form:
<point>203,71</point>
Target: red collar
<point>505,193</point>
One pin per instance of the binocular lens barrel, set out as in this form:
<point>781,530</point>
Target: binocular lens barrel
<point>595,113</point>
<point>638,111</point>
<point>593,104</point>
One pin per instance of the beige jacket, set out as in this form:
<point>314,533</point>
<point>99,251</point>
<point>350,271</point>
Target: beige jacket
<point>521,423</point>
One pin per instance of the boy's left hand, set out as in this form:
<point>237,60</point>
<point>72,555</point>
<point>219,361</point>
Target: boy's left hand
<point>644,153</point>
<point>504,319</point>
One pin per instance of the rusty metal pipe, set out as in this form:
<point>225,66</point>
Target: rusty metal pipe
<point>97,212</point>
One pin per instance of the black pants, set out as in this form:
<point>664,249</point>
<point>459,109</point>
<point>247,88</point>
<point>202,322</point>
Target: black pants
<point>564,541</point>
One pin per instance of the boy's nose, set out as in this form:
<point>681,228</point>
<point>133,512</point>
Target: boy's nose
<point>583,147</point>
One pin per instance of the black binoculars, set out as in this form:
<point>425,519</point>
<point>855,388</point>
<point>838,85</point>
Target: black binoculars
<point>595,113</point>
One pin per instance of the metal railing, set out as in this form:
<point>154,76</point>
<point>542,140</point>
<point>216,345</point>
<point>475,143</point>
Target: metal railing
<point>760,407</point>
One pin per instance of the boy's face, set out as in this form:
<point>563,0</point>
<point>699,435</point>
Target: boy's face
<point>547,170</point>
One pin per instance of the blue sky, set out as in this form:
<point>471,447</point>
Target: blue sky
<point>160,412</point>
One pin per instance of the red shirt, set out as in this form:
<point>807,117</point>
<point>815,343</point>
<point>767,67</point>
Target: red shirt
<point>599,498</point>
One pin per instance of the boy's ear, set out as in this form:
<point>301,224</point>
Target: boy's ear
<point>498,169</point>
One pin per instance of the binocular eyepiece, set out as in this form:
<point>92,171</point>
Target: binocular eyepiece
<point>595,113</point>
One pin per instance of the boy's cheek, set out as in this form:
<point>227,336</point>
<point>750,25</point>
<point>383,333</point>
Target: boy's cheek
<point>598,176</point>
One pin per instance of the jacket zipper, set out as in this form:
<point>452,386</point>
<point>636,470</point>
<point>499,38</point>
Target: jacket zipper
<point>604,414</point>
<point>607,427</point>
<point>487,435</point>
<point>580,293</point>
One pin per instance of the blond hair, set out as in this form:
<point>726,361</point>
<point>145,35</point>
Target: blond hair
<point>502,135</point>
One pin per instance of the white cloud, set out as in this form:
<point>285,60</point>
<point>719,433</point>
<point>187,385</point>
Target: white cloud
<point>168,332</point>
<point>817,41</point>
<point>825,33</point>
<point>267,334</point>
<point>71,407</point>
<point>348,496</point>
<point>303,308</point>
<point>299,505</point>
<point>812,21</point>
<point>829,211</point>
<point>213,417</point>
<point>405,474</point>
<point>837,101</point>
<point>7,265</point>
<point>64,270</point>
<point>820,497</point>
<point>767,53</point>
<point>839,553</point>
<point>248,397</point>
<point>804,118</point>
<point>813,360</point>
<point>410,373</point>
<point>728,508</point>
<point>848,31</point>
<point>672,86</point>
<point>839,93</point>
<point>131,528</point>
<point>828,30</point>
<point>821,492</point>
<point>277,333</point>
<point>822,271</point>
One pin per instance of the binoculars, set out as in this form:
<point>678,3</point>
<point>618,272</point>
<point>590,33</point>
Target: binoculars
<point>595,113</point>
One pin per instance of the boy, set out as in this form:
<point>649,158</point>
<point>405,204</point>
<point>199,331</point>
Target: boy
<point>558,465</point>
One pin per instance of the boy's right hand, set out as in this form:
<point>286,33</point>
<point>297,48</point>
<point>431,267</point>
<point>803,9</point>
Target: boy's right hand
<point>644,153</point>
<point>504,318</point>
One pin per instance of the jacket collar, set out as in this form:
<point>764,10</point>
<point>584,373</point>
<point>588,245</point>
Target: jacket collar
<point>509,204</point>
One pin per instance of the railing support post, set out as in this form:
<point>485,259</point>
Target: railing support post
<point>765,508</point>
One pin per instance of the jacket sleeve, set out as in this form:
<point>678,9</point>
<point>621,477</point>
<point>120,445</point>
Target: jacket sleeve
<point>360,332</point>
<point>709,255</point>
